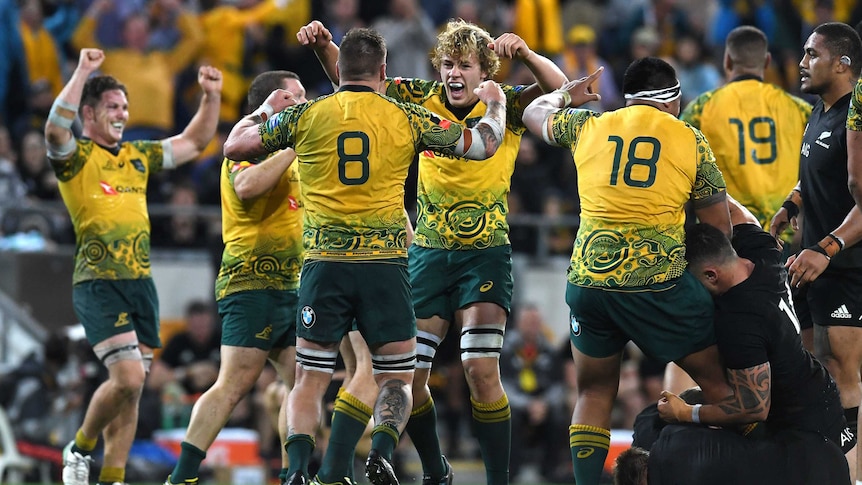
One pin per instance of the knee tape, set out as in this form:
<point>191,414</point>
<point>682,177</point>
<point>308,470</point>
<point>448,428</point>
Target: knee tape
<point>382,364</point>
<point>316,360</point>
<point>426,349</point>
<point>112,354</point>
<point>482,341</point>
<point>148,362</point>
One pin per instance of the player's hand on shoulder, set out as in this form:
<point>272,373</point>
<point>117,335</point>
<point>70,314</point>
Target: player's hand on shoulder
<point>510,46</point>
<point>488,91</point>
<point>672,408</point>
<point>210,79</point>
<point>90,59</point>
<point>314,35</point>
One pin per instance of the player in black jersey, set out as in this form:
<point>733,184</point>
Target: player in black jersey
<point>775,380</point>
<point>830,268</point>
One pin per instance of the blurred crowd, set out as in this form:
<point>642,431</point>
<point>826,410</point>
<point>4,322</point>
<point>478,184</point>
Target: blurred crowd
<point>155,46</point>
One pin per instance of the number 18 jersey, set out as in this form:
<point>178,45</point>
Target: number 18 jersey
<point>637,167</point>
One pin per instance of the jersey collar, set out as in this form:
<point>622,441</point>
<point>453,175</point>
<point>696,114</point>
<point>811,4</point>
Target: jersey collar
<point>356,88</point>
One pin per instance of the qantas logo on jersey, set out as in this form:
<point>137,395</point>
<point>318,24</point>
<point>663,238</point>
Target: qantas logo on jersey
<point>823,136</point>
<point>293,204</point>
<point>107,189</point>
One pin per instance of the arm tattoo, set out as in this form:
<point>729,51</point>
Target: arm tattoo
<point>392,404</point>
<point>490,139</point>
<point>751,390</point>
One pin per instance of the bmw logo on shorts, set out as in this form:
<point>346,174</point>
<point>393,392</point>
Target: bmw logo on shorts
<point>308,316</point>
<point>576,327</point>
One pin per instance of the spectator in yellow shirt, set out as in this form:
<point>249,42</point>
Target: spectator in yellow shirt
<point>148,74</point>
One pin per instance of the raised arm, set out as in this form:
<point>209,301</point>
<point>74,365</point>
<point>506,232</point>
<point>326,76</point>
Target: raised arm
<point>260,178</point>
<point>548,75</point>
<point>189,144</point>
<point>244,142</point>
<point>191,36</point>
<point>58,129</point>
<point>539,111</point>
<point>319,38</point>
<point>482,141</point>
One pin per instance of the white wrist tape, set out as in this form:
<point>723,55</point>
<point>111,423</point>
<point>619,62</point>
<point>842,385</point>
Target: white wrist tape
<point>265,111</point>
<point>567,98</point>
<point>695,413</point>
<point>55,118</point>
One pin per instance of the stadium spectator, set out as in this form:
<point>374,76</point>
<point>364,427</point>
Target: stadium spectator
<point>531,376</point>
<point>580,58</point>
<point>696,73</point>
<point>40,48</point>
<point>149,74</point>
<point>407,26</point>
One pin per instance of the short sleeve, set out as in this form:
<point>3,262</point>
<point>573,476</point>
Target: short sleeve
<point>433,133</point>
<point>709,184</point>
<point>278,132</point>
<point>408,90</point>
<point>154,152</point>
<point>692,113</point>
<point>854,113</point>
<point>514,108</point>
<point>567,124</point>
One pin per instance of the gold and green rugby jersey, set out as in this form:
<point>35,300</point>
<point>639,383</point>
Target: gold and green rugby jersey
<point>354,148</point>
<point>262,236</point>
<point>105,191</point>
<point>637,167</point>
<point>854,113</point>
<point>755,131</point>
<point>463,205</point>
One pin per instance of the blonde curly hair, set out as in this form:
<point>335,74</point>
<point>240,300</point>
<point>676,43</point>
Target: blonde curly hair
<point>460,39</point>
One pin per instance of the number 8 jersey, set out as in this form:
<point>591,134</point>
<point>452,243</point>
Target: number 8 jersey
<point>354,148</point>
<point>637,167</point>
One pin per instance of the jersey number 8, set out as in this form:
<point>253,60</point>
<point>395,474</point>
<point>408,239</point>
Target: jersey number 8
<point>345,158</point>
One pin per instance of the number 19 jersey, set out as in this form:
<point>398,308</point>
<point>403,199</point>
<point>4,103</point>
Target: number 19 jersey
<point>755,131</point>
<point>637,167</point>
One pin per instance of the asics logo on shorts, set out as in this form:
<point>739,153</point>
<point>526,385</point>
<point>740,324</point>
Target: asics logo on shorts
<point>841,312</point>
<point>265,333</point>
<point>122,319</point>
<point>576,326</point>
<point>308,316</point>
<point>486,286</point>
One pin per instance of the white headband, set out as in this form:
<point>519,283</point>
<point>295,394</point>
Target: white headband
<point>664,95</point>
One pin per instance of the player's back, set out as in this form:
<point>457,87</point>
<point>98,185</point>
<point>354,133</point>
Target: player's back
<point>755,131</point>
<point>637,167</point>
<point>354,149</point>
